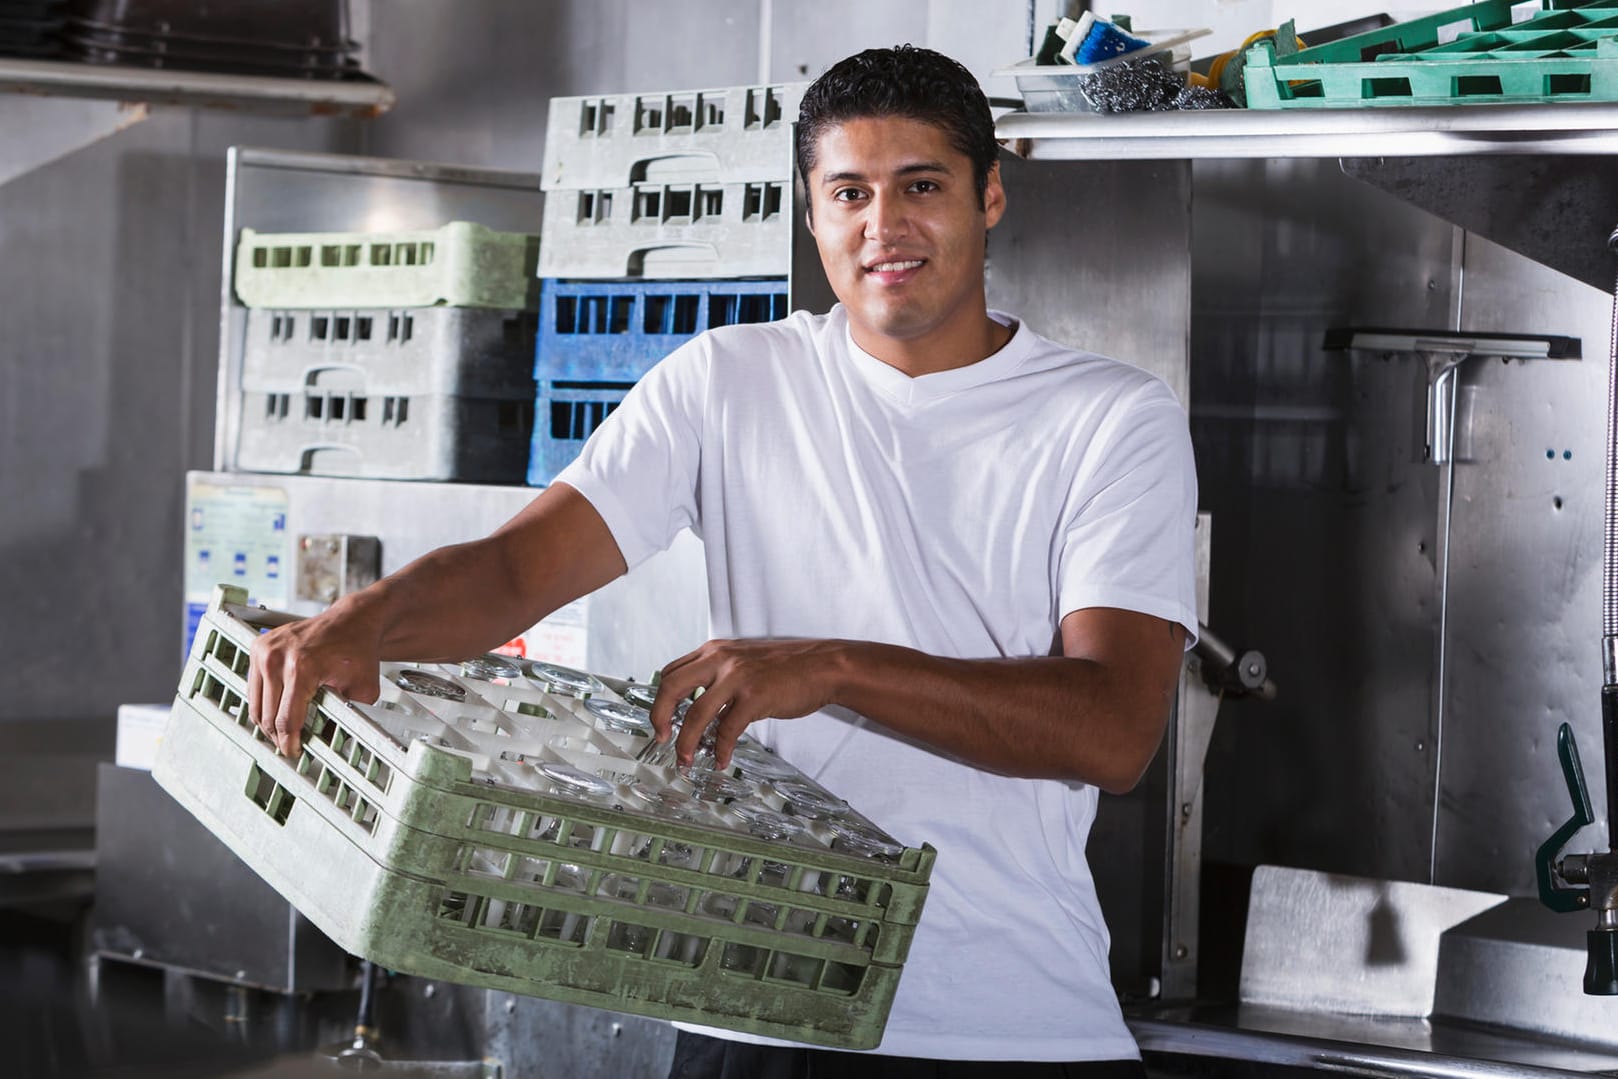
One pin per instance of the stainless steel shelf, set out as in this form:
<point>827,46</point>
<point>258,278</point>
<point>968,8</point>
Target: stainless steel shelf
<point>253,93</point>
<point>1461,130</point>
<point>1529,177</point>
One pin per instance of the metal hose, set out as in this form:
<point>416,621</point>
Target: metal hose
<point>1609,549</point>
<point>1609,586</point>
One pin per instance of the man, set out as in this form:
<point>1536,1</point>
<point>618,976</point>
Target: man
<point>950,567</point>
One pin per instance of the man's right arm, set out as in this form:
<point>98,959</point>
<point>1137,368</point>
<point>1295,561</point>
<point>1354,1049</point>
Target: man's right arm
<point>447,605</point>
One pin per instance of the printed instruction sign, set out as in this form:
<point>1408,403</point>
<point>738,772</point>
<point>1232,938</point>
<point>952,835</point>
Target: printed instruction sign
<point>235,534</point>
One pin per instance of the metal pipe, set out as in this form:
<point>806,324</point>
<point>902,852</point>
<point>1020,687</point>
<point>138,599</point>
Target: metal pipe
<point>1444,417</point>
<point>1224,667</point>
<point>1609,731</point>
<point>363,1021</point>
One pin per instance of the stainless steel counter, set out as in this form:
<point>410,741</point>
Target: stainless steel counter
<point>1362,1045</point>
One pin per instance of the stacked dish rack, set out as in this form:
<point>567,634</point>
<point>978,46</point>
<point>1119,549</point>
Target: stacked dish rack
<point>394,355</point>
<point>654,203</point>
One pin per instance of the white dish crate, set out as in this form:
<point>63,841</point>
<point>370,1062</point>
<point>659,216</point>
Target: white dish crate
<point>339,430</point>
<point>400,352</point>
<point>669,231</point>
<point>735,134</point>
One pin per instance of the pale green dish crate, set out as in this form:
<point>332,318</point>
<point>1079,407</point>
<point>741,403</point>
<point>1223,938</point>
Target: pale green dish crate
<point>461,264</point>
<point>420,833</point>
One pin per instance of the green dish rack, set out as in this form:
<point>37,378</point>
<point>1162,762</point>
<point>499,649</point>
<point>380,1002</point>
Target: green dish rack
<point>460,264</point>
<point>422,833</point>
<point>1464,56</point>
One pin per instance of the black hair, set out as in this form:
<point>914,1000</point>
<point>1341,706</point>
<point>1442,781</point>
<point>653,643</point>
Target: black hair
<point>904,81</point>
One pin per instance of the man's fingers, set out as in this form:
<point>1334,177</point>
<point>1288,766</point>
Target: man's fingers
<point>695,724</point>
<point>265,665</point>
<point>254,688</point>
<point>690,657</point>
<point>673,687</point>
<point>732,722</point>
<point>679,679</point>
<point>291,663</point>
<point>296,696</point>
<point>253,707</point>
<point>704,721</point>
<point>663,711</point>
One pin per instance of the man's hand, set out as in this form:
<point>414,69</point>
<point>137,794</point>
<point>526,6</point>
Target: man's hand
<point>448,604</point>
<point>1094,714</point>
<point>744,681</point>
<point>340,648</point>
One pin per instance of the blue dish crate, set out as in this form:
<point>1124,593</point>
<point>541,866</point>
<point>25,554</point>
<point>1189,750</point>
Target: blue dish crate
<point>597,338</point>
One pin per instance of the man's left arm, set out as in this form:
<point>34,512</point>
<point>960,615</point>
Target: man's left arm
<point>1094,714</point>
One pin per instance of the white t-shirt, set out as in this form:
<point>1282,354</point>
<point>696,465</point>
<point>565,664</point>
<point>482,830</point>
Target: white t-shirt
<point>963,514</point>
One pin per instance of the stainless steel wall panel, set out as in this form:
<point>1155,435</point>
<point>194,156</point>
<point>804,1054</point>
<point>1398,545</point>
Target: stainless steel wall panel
<point>478,95</point>
<point>1326,519</point>
<point>688,43</point>
<point>1329,554</point>
<point>547,1039</point>
<point>806,39</point>
<point>169,892</point>
<point>984,35</point>
<point>107,346</point>
<point>1557,209</point>
<point>95,349</point>
<point>1097,256</point>
<point>1525,577</point>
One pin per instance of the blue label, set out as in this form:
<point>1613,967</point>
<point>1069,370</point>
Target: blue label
<point>193,618</point>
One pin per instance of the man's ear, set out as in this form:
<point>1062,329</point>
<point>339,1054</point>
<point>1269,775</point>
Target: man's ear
<point>800,183</point>
<point>994,197</point>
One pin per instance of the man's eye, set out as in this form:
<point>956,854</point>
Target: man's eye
<point>848,194</point>
<point>924,185</point>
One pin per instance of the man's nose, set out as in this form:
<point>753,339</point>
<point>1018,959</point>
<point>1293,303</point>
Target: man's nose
<point>886,221</point>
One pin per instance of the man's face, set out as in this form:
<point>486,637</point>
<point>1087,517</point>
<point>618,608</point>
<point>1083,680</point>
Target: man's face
<point>901,234</point>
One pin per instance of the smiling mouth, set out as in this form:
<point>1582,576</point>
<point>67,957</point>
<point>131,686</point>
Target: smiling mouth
<point>895,266</point>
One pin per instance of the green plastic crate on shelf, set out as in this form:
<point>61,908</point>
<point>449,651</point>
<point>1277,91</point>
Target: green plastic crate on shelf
<point>460,264</point>
<point>1467,55</point>
<point>424,843</point>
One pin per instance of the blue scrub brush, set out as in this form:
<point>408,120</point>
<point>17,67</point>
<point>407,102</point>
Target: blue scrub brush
<point>1092,40</point>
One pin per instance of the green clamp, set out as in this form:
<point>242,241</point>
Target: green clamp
<point>1559,897</point>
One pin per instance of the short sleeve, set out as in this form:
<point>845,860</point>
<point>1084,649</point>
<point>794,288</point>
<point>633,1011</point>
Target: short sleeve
<point>640,467</point>
<point>1129,541</point>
